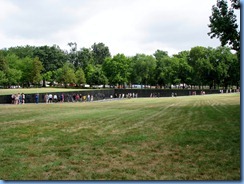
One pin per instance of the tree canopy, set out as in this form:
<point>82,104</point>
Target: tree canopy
<point>199,66</point>
<point>224,25</point>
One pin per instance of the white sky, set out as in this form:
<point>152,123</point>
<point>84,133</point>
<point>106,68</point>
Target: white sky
<point>125,26</point>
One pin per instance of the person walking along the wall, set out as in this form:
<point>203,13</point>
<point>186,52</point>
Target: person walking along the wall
<point>13,98</point>
<point>62,96</point>
<point>50,98</point>
<point>37,98</point>
<point>23,98</point>
<point>55,98</point>
<point>16,100</point>
<point>20,99</point>
<point>46,98</point>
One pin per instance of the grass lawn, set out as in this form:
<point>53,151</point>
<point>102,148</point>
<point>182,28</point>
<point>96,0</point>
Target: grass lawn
<point>37,90</point>
<point>183,138</point>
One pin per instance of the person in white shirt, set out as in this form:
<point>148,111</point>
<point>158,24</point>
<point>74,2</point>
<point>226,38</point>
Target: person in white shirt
<point>55,98</point>
<point>50,98</point>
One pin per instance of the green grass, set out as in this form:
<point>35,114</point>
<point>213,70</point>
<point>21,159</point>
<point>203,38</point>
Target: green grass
<point>183,138</point>
<point>37,90</point>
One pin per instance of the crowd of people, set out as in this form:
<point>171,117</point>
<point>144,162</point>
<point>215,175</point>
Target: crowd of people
<point>60,98</point>
<point>75,97</point>
<point>128,95</point>
<point>50,98</point>
<point>18,98</point>
<point>154,95</point>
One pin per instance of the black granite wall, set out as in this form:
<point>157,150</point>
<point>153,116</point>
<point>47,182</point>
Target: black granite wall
<point>163,92</point>
<point>30,98</point>
<point>105,94</point>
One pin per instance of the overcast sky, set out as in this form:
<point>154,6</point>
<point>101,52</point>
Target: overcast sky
<point>125,26</point>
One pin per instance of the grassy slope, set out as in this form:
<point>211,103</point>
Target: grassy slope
<point>185,138</point>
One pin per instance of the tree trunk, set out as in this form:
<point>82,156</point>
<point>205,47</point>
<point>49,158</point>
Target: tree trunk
<point>43,82</point>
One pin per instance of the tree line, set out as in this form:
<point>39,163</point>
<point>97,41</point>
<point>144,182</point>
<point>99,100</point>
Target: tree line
<point>199,66</point>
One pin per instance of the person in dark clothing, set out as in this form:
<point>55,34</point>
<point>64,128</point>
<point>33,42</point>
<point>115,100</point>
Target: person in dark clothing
<point>37,98</point>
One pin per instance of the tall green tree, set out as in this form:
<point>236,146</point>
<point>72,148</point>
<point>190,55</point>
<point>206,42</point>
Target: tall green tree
<point>37,67</point>
<point>3,69</point>
<point>49,77</point>
<point>201,65</point>
<point>143,71</point>
<point>13,76</point>
<point>52,58</point>
<point>3,78</point>
<point>167,71</point>
<point>184,70</point>
<point>3,62</point>
<point>23,51</point>
<point>80,76</point>
<point>66,75</point>
<point>234,71</point>
<point>160,54</point>
<point>84,58</point>
<point>10,74</point>
<point>98,77</point>
<point>100,51</point>
<point>30,69</point>
<point>226,67</point>
<point>72,55</point>
<point>159,72</point>
<point>117,69</point>
<point>13,61</point>
<point>223,24</point>
<point>13,71</point>
<point>88,73</point>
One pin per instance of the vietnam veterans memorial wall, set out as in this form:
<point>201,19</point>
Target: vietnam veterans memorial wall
<point>107,93</point>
